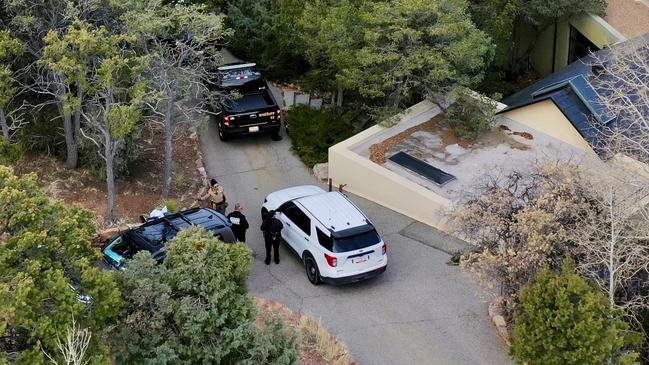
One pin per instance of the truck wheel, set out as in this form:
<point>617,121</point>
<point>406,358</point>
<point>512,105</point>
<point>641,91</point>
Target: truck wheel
<point>222,135</point>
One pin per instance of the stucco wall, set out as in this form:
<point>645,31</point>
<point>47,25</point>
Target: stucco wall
<point>545,117</point>
<point>376,183</point>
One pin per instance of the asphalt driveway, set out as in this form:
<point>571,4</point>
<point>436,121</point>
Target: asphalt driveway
<point>421,311</point>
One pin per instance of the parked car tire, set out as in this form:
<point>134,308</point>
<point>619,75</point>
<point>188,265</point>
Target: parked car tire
<point>222,135</point>
<point>311,267</point>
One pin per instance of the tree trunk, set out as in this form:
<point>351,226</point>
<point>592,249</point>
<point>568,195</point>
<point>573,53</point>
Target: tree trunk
<point>168,157</point>
<point>611,252</point>
<point>339,98</point>
<point>77,118</point>
<point>168,154</point>
<point>70,143</point>
<point>3,123</point>
<point>68,128</point>
<point>110,180</point>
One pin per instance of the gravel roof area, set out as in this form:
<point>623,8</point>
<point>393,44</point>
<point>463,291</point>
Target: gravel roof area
<point>630,17</point>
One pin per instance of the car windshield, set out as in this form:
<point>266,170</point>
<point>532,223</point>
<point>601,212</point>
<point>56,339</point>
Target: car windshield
<point>356,242</point>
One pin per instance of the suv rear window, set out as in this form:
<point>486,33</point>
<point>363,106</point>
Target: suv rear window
<point>324,239</point>
<point>356,242</point>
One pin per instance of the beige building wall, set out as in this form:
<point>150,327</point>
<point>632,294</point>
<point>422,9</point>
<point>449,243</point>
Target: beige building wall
<point>380,185</point>
<point>546,118</point>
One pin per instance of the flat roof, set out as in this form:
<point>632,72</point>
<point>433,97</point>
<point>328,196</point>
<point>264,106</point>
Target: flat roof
<point>509,146</point>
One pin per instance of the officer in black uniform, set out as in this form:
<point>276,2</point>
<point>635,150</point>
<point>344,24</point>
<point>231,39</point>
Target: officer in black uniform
<point>239,223</point>
<point>272,229</point>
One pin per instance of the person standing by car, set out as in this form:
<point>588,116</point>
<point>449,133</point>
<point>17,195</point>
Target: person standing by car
<point>216,197</point>
<point>272,229</point>
<point>239,223</point>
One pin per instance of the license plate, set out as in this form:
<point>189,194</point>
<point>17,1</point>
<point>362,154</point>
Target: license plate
<point>253,129</point>
<point>359,260</point>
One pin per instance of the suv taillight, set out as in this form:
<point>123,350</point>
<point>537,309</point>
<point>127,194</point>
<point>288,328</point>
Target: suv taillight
<point>332,261</point>
<point>278,114</point>
<point>227,119</point>
<point>385,248</point>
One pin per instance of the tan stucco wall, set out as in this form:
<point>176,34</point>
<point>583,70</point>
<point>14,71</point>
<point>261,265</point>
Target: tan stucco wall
<point>546,118</point>
<point>382,186</point>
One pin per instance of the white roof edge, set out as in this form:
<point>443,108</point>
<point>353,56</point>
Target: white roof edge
<point>238,66</point>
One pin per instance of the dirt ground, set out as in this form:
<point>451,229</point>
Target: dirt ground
<point>138,193</point>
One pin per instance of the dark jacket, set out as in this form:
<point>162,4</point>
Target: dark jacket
<point>239,225</point>
<point>272,227</point>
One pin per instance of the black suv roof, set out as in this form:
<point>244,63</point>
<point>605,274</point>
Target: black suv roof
<point>153,235</point>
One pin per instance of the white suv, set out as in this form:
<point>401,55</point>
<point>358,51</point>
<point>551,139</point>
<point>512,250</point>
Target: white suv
<point>336,242</point>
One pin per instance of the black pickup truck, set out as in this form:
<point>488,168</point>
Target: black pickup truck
<point>253,110</point>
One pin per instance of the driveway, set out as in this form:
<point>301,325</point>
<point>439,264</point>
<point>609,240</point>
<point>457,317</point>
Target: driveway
<point>421,311</point>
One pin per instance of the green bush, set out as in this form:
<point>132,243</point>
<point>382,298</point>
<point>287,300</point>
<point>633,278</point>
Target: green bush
<point>173,206</point>
<point>313,131</point>
<point>194,308</point>
<point>44,132</point>
<point>265,32</point>
<point>564,320</point>
<point>470,117</point>
<point>10,153</point>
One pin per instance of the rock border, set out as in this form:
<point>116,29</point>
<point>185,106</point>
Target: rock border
<point>496,314</point>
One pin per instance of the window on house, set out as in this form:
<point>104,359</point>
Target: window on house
<point>579,46</point>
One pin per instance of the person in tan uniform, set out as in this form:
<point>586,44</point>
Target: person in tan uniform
<point>215,197</point>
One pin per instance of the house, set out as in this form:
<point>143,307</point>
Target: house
<point>571,39</point>
<point>568,104</point>
<point>420,170</point>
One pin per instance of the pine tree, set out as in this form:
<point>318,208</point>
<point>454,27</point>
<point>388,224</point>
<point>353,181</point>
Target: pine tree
<point>564,320</point>
<point>48,275</point>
